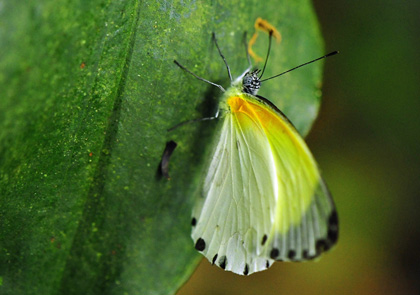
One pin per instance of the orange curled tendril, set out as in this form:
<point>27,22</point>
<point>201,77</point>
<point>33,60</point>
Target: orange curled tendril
<point>261,25</point>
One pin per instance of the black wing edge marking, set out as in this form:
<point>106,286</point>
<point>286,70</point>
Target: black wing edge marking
<point>330,240</point>
<point>333,220</point>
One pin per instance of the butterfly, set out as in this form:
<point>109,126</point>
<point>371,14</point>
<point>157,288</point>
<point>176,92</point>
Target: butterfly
<point>262,198</point>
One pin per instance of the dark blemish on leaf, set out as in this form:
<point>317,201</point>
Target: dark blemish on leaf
<point>200,245</point>
<point>163,169</point>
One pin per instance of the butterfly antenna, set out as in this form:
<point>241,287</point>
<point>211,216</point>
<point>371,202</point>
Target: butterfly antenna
<point>270,35</point>
<point>306,63</point>
<point>220,53</point>
<point>246,51</point>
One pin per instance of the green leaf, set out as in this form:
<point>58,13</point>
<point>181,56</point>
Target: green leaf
<point>88,90</point>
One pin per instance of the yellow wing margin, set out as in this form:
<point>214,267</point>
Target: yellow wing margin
<point>305,222</point>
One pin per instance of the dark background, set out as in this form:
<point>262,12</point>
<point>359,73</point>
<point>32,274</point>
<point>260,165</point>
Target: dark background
<point>366,140</point>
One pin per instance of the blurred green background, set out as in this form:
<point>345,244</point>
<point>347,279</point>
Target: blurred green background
<point>366,140</point>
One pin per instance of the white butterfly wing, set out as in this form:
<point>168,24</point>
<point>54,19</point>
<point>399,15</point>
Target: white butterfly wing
<point>262,198</point>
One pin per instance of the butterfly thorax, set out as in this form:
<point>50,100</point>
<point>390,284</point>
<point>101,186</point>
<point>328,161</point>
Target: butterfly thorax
<point>246,84</point>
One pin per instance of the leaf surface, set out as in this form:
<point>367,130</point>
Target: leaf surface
<point>88,90</point>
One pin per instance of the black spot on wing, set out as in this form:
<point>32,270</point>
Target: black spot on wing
<point>223,262</point>
<point>321,246</point>
<point>333,228</point>
<point>305,254</point>
<point>333,219</point>
<point>193,221</point>
<point>246,270</point>
<point>200,245</point>
<point>264,239</point>
<point>332,235</point>
<point>274,253</point>
<point>291,254</point>
<point>267,264</point>
<point>214,259</point>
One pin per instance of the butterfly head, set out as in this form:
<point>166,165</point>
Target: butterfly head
<point>251,82</point>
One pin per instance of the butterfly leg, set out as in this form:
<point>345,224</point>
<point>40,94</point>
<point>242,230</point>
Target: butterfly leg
<point>199,78</point>
<point>193,121</point>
